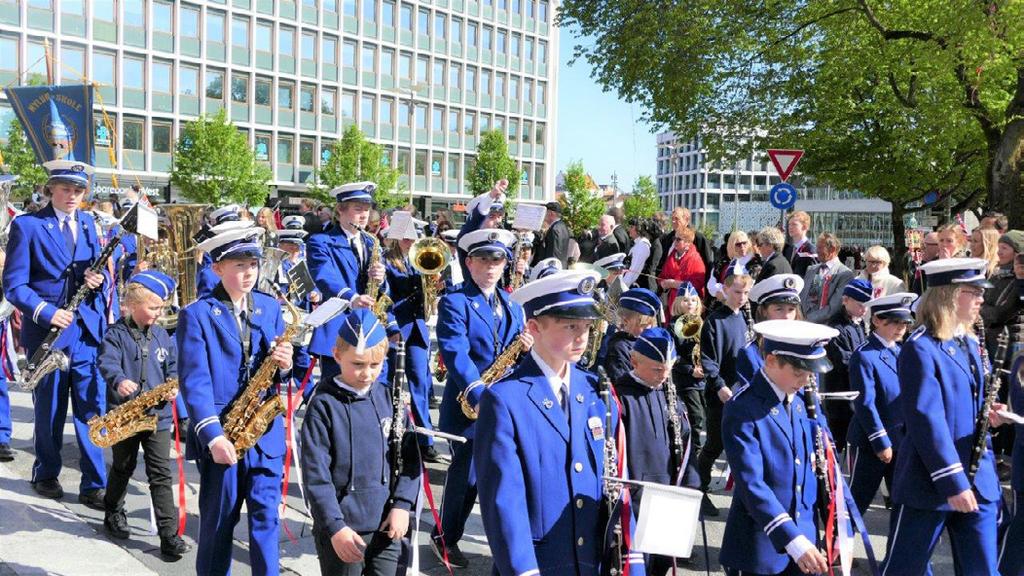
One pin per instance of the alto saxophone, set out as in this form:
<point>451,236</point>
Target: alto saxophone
<point>250,415</point>
<point>130,418</point>
<point>501,366</point>
<point>381,301</point>
<point>598,329</point>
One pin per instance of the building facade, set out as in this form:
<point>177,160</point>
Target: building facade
<point>736,196</point>
<point>424,78</point>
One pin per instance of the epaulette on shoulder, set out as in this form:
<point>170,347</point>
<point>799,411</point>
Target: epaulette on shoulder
<point>916,334</point>
<point>737,393</point>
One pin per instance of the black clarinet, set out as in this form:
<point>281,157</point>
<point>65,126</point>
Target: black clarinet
<point>612,489</point>
<point>820,460</point>
<point>992,383</point>
<point>397,417</point>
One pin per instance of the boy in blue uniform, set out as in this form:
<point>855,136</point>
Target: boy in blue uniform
<point>1011,550</point>
<point>359,515</point>
<point>723,336</point>
<point>941,377</point>
<point>223,219</point>
<point>137,356</point>
<point>48,257</point>
<point>339,261</point>
<point>638,310</point>
<point>877,427</point>
<point>658,452</point>
<point>227,336</point>
<point>475,323</point>
<point>770,444</point>
<point>850,323</point>
<point>777,298</point>
<point>540,445</point>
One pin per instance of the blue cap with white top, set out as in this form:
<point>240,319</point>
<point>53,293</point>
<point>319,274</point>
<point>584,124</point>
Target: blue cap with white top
<point>354,192</point>
<point>946,271</point>
<point>800,343</point>
<point>896,306</point>
<point>564,294</point>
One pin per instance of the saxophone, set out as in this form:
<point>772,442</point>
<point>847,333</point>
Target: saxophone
<point>501,366</point>
<point>381,301</point>
<point>598,329</point>
<point>517,278</point>
<point>130,418</point>
<point>250,415</point>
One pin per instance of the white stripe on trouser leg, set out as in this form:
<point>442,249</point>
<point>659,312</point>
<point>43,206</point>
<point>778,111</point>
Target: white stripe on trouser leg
<point>852,454</point>
<point>892,544</point>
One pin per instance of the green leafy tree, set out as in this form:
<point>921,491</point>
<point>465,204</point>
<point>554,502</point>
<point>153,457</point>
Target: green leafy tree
<point>582,207</point>
<point>492,164</point>
<point>643,201</point>
<point>20,160</point>
<point>895,99</point>
<point>356,159</point>
<point>214,164</point>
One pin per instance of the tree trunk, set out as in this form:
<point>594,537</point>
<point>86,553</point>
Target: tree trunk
<point>899,238</point>
<point>1005,164</point>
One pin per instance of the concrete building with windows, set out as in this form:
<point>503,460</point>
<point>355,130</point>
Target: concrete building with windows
<point>725,197</point>
<point>421,77</point>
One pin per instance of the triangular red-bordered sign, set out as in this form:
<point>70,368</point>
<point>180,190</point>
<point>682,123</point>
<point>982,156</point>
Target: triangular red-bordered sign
<point>785,161</point>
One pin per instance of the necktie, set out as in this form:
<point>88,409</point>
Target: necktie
<point>825,277</point>
<point>69,236</point>
<point>563,399</point>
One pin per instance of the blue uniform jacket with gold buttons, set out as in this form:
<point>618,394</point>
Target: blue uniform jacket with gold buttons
<point>776,489</point>
<point>212,370</point>
<point>539,474</point>
<point>466,330</point>
<point>877,419</point>
<point>40,276</point>
<point>942,393</point>
<point>334,265</point>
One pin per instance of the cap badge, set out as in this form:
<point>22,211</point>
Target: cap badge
<point>907,300</point>
<point>789,283</point>
<point>586,286</point>
<point>493,236</point>
<point>78,168</point>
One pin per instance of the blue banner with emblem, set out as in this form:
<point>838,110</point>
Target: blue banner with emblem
<point>57,120</point>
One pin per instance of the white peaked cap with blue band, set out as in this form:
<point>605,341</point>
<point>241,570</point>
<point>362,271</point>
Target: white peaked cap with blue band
<point>545,267</point>
<point>780,288</point>
<point>494,241</point>
<point>354,192</point>
<point>898,306</point>
<point>71,171</point>
<point>613,262</point>
<point>802,343</point>
<point>565,294</point>
<point>244,243</point>
<point>946,271</point>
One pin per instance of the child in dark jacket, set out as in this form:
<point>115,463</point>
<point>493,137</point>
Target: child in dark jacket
<point>137,356</point>
<point>360,515</point>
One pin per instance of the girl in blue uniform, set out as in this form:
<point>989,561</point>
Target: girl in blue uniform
<point>942,385</point>
<point>777,298</point>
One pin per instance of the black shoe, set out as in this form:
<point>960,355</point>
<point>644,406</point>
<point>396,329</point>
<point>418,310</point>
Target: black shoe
<point>173,546</point>
<point>435,402</point>
<point>708,508</point>
<point>117,525</point>
<point>431,455</point>
<point>49,489</point>
<point>93,498</point>
<point>6,454</point>
<point>455,557</point>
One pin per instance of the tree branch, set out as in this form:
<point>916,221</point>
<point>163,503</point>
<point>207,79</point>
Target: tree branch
<point>801,28</point>
<point>975,105</point>
<point>910,98</point>
<point>891,34</point>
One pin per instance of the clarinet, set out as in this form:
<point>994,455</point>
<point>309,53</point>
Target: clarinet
<point>750,322</point>
<point>674,424</point>
<point>397,417</point>
<point>820,462</point>
<point>992,384</point>
<point>612,489</point>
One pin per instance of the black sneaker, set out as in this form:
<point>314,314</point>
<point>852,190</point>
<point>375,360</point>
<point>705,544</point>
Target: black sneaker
<point>430,454</point>
<point>116,524</point>
<point>708,508</point>
<point>173,546</point>
<point>6,454</point>
<point>455,556</point>
<point>93,498</point>
<point>49,489</point>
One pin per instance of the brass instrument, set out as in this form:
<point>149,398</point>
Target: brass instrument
<point>688,327</point>
<point>250,415</point>
<point>381,301</point>
<point>130,418</point>
<point>430,256</point>
<point>598,328</point>
<point>173,256</point>
<point>517,277</point>
<point>501,366</point>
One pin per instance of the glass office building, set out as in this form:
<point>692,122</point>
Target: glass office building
<point>423,78</point>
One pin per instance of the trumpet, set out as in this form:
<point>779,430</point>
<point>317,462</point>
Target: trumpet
<point>430,256</point>
<point>688,327</point>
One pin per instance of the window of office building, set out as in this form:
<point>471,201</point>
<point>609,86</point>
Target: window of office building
<point>529,8</point>
<point>286,41</point>
<point>424,22</point>
<point>513,88</point>
<point>329,50</point>
<point>539,138</point>
<point>513,47</point>
<point>106,11</point>
<point>456,34</point>
<point>366,106</point>
<point>528,56</point>
<point>264,86</point>
<point>308,46</point>
<point>439,73</point>
<point>455,76</point>
<point>542,11</point>
<point>405,66</point>
<point>513,130</point>
<point>502,41</point>
<point>437,119</point>
<point>348,54</point>
<point>453,121</point>
<point>264,36</point>
<point>240,88</point>
<point>72,8</point>
<point>285,96</point>
<point>132,133</point>
<point>499,124</point>
<point>188,80</point>
<point>262,146</point>
<point>161,135</point>
<point>370,11</point>
<point>135,73</point>
<point>103,63</point>
<point>527,131</point>
<point>485,123</point>
<point>488,38</point>
<point>542,93</point>
<point>517,6</point>
<point>528,91</point>
<point>135,14</point>
<point>485,82</point>
<point>421,163</point>
<point>404,114</point>
<point>284,149</point>
<point>439,25</point>
<point>348,105</point>
<point>214,26</point>
<point>387,111</point>
<point>214,84</point>
<point>306,155</point>
<point>307,97</point>
<point>421,116</point>
<point>387,62</point>
<point>470,78</point>
<point>369,58</point>
<point>542,52</point>
<point>72,62</point>
<point>161,75</point>
<point>471,32</point>
<point>350,8</point>
<point>469,123</point>
<point>387,14</point>
<point>240,33</point>
<point>422,65</point>
<point>499,85</point>
<point>406,17</point>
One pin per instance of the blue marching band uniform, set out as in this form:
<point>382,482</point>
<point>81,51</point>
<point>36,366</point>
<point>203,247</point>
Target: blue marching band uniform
<point>778,289</point>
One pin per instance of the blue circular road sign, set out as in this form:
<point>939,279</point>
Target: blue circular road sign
<point>783,196</point>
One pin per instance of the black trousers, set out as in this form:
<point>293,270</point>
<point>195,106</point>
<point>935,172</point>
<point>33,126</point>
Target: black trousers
<point>379,559</point>
<point>156,449</point>
<point>693,400</point>
<point>713,446</point>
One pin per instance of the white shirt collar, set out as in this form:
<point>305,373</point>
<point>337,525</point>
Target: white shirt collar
<point>62,215</point>
<point>884,342</point>
<point>242,305</point>
<point>554,380</point>
<point>360,393</point>
<point>778,391</point>
<point>644,382</point>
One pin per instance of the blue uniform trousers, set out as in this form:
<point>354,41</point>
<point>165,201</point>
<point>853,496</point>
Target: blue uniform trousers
<point>791,570</point>
<point>5,411</point>
<point>83,383</point>
<point>256,480</point>
<point>459,492</point>
<point>915,532</point>
<point>1011,551</point>
<point>380,558</point>
<point>417,370</point>
<point>866,475</point>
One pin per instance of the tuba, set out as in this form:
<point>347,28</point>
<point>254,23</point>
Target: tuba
<point>173,255</point>
<point>430,256</point>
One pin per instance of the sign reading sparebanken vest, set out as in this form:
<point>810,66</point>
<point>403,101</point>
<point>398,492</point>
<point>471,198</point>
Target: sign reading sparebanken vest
<point>57,120</point>
<point>785,161</point>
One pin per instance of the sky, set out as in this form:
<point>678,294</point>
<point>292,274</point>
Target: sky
<point>598,128</point>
